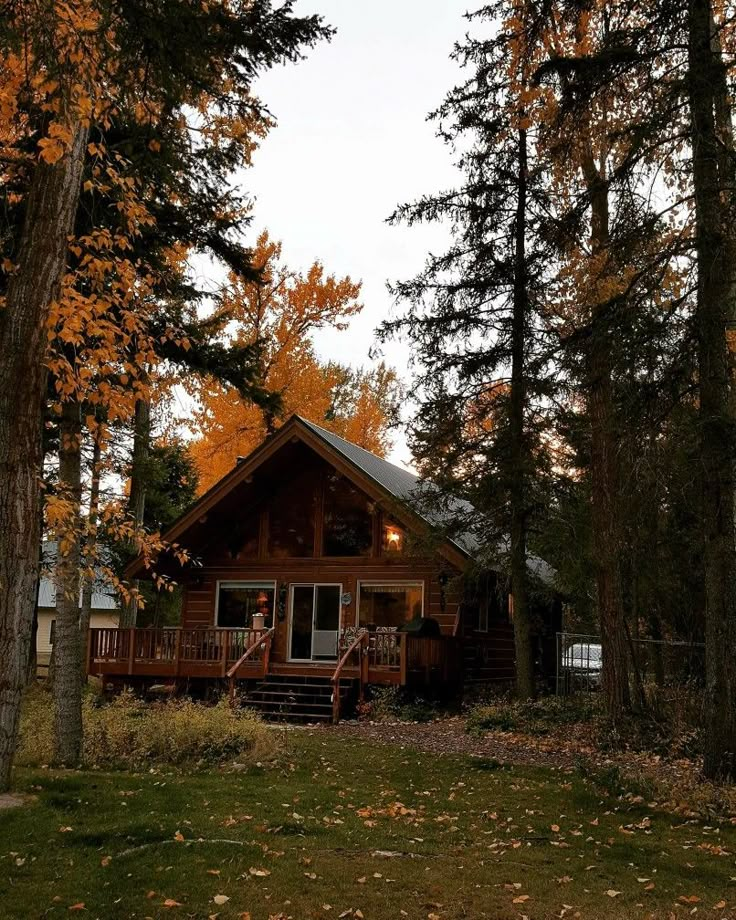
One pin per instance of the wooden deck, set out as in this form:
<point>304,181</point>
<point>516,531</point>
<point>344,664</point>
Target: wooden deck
<point>212,653</point>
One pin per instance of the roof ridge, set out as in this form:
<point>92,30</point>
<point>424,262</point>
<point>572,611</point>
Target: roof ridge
<point>355,446</point>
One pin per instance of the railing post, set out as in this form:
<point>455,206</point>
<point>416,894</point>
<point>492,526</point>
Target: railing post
<point>266,655</point>
<point>403,658</point>
<point>88,660</point>
<point>363,671</point>
<point>177,652</point>
<point>131,649</point>
<point>335,700</point>
<point>225,649</point>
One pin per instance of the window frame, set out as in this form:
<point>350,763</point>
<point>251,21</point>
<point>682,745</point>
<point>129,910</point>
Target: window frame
<point>372,516</point>
<point>241,583</point>
<point>313,585</point>
<point>389,582</point>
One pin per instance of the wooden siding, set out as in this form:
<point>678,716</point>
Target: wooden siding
<point>200,594</point>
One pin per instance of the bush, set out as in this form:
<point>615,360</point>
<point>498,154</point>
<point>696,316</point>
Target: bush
<point>396,703</point>
<point>129,733</point>
<point>535,717</point>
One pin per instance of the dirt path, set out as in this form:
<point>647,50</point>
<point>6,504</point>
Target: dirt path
<point>448,736</point>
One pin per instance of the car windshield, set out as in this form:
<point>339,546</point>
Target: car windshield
<point>589,653</point>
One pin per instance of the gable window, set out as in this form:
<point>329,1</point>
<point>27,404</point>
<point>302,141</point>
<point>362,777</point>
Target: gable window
<point>238,601</point>
<point>292,517</point>
<point>389,604</point>
<point>348,521</point>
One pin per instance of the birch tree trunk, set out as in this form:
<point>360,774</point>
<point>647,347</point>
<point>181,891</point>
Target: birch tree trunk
<point>715,287</point>
<point>67,686</point>
<point>88,580</point>
<point>41,260</point>
<point>519,460</point>
<point>137,501</point>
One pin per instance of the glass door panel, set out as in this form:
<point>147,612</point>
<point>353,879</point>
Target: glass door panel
<point>326,621</point>
<point>315,622</point>
<point>302,612</point>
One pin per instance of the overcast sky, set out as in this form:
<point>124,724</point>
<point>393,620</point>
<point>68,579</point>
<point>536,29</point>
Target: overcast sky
<point>351,143</point>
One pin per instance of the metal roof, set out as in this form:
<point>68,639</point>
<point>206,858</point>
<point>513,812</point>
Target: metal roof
<point>104,596</point>
<point>419,495</point>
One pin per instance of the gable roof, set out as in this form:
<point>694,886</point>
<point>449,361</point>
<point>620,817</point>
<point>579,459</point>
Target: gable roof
<point>401,484</point>
<point>104,596</point>
<point>412,493</point>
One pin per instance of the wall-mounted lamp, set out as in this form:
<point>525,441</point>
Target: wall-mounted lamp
<point>393,539</point>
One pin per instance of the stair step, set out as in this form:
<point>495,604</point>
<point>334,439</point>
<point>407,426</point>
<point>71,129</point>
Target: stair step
<point>288,698</point>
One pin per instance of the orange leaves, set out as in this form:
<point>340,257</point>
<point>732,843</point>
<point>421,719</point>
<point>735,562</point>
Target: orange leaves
<point>284,314</point>
<point>55,144</point>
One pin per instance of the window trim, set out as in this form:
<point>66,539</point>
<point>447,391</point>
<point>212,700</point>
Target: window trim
<point>240,583</point>
<point>391,582</point>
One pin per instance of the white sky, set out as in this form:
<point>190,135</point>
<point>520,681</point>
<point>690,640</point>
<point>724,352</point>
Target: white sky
<point>351,143</point>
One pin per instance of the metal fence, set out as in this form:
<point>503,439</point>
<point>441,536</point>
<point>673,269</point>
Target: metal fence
<point>653,664</point>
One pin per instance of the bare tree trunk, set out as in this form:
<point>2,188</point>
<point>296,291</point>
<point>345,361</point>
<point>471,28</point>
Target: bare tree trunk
<point>50,211</point>
<point>137,500</point>
<point>88,580</point>
<point>525,684</point>
<point>715,285</point>
<point>67,672</point>
<point>604,471</point>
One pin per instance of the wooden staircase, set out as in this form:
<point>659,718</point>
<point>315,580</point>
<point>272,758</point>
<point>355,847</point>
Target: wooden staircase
<point>286,698</point>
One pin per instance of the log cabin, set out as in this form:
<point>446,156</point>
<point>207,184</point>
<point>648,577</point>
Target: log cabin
<point>312,574</point>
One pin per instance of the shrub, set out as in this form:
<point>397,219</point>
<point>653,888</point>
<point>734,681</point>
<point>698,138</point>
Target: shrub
<point>129,733</point>
<point>395,703</point>
<point>535,717</point>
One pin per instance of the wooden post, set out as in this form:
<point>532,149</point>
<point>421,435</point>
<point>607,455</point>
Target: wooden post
<point>267,654</point>
<point>363,664</point>
<point>336,701</point>
<point>225,649</point>
<point>89,655</point>
<point>131,648</point>
<point>403,650</point>
<point>177,650</point>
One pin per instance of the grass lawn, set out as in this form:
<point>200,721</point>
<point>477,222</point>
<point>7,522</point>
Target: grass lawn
<point>346,829</point>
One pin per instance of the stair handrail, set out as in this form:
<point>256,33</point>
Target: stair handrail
<point>458,620</point>
<point>359,640</point>
<point>264,636</point>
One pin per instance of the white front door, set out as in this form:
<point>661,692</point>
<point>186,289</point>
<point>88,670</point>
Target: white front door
<point>314,621</point>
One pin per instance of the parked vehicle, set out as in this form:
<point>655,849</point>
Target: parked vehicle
<point>583,663</point>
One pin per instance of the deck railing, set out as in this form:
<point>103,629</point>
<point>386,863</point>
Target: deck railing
<point>168,651</point>
<point>356,652</point>
<point>207,652</point>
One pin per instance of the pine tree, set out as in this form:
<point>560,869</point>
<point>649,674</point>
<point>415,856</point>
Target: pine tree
<point>476,313</point>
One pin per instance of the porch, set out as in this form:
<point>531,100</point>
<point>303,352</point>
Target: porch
<point>235,655</point>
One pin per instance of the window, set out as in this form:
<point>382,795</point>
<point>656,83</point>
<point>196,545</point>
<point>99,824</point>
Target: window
<point>237,601</point>
<point>348,522</point>
<point>291,521</point>
<point>389,604</point>
<point>242,537</point>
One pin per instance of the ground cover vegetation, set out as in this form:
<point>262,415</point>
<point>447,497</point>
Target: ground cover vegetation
<point>362,830</point>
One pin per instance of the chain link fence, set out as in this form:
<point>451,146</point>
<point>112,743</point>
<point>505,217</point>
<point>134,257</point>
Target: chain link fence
<point>654,665</point>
